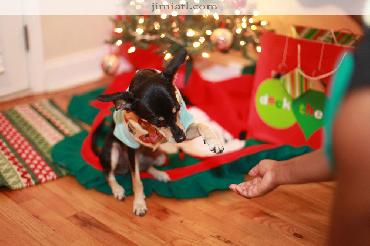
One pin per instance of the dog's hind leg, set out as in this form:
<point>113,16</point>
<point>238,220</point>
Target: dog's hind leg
<point>159,175</point>
<point>117,190</point>
<point>139,207</point>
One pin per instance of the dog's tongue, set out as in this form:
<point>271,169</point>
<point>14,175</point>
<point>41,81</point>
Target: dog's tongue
<point>152,138</point>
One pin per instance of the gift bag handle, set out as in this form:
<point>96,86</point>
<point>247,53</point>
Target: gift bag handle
<point>319,77</point>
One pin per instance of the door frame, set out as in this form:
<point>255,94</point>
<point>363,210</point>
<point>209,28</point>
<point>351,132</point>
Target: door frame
<point>35,55</point>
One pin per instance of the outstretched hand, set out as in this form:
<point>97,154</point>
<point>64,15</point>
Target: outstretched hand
<point>263,180</point>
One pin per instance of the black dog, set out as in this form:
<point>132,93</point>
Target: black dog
<point>149,113</point>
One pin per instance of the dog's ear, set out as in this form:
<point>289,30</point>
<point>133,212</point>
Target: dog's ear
<point>174,64</point>
<point>121,100</point>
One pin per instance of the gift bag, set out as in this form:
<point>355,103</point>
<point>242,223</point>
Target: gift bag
<point>289,91</point>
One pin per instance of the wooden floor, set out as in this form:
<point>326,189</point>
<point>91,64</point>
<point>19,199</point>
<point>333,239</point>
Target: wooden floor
<point>64,213</point>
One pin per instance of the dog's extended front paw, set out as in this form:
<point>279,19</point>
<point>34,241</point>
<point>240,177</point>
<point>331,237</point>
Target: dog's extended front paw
<point>118,192</point>
<point>140,208</point>
<point>162,176</point>
<point>215,145</point>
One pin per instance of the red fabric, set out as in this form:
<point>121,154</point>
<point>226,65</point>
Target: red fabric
<point>225,102</point>
<point>270,59</point>
<point>142,58</point>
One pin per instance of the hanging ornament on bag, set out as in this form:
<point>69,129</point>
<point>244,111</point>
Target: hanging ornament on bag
<point>222,38</point>
<point>110,64</point>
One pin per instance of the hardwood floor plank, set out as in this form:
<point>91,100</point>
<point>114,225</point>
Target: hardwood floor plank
<point>27,223</point>
<point>55,221</point>
<point>98,230</point>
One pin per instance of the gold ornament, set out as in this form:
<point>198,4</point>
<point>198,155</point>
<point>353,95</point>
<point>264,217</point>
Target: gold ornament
<point>110,64</point>
<point>222,38</point>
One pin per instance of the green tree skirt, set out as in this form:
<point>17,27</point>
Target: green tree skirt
<point>67,154</point>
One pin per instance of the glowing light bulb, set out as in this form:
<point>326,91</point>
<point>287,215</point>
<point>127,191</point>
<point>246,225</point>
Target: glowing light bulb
<point>132,49</point>
<point>216,16</point>
<point>190,33</point>
<point>141,20</point>
<point>157,26</point>
<point>205,55</point>
<point>244,25</point>
<point>118,29</point>
<point>163,16</point>
<point>264,23</point>
<point>259,49</point>
<point>196,44</point>
<point>139,30</point>
<point>202,39</point>
<point>119,42</point>
<point>209,32</point>
<point>238,30</point>
<point>163,35</point>
<point>254,27</point>
<point>167,56</point>
<point>242,43</point>
<point>251,20</point>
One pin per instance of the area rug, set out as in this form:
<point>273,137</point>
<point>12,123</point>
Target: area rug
<point>27,134</point>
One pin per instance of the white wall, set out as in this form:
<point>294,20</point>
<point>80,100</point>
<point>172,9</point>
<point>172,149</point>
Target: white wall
<point>73,47</point>
<point>65,35</point>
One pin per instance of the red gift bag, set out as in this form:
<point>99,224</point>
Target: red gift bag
<point>289,109</point>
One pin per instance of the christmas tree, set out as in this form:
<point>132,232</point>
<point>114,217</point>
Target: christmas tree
<point>199,34</point>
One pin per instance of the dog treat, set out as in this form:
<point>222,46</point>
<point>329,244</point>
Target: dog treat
<point>151,135</point>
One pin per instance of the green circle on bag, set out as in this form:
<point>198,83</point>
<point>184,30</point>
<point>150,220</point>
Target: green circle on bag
<point>274,104</point>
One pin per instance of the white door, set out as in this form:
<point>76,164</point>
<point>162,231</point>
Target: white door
<point>13,52</point>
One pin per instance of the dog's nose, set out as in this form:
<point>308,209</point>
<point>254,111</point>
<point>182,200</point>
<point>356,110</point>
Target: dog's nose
<point>180,138</point>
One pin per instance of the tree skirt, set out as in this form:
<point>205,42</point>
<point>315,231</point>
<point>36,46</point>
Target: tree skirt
<point>190,176</point>
<point>27,134</point>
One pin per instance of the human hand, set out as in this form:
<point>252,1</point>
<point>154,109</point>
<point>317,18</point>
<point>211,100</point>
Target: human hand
<point>264,179</point>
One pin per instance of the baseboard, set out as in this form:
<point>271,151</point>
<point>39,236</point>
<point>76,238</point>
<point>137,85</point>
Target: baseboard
<point>72,70</point>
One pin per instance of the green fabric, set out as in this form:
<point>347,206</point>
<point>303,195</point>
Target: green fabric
<point>251,69</point>
<point>80,108</point>
<point>201,184</point>
<point>338,90</point>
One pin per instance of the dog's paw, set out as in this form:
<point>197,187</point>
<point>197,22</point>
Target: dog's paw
<point>215,145</point>
<point>161,176</point>
<point>139,208</point>
<point>118,192</point>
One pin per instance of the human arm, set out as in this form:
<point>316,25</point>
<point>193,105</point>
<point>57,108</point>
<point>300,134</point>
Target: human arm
<point>269,174</point>
<point>351,147</point>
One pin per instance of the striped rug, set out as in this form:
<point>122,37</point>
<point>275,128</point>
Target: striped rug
<point>27,134</point>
